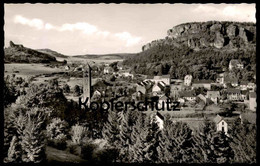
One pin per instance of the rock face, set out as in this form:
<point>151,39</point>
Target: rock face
<point>214,34</point>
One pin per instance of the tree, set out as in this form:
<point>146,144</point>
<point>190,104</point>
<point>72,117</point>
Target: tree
<point>244,147</point>
<point>33,138</point>
<point>223,152</point>
<point>152,143</point>
<point>66,88</point>
<point>202,141</point>
<point>76,90</point>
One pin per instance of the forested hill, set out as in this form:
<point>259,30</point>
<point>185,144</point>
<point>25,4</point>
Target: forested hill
<point>200,49</point>
<point>19,54</point>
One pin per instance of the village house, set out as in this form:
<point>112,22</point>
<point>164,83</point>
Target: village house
<point>158,119</point>
<point>202,84</point>
<point>164,78</point>
<point>221,124</point>
<point>136,96</point>
<point>203,98</point>
<point>108,70</point>
<point>213,96</point>
<point>175,89</point>
<point>252,101</point>
<point>187,80</point>
<point>120,65</point>
<point>163,99</point>
<point>220,78</point>
<point>251,86</point>
<point>233,94</point>
<point>229,80</point>
<point>159,86</point>
<point>235,63</point>
<point>101,86</point>
<point>243,85</point>
<point>141,87</point>
<point>188,95</point>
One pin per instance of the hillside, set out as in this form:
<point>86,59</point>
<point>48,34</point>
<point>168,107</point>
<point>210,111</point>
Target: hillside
<point>20,54</point>
<point>52,53</point>
<point>105,56</point>
<point>200,49</point>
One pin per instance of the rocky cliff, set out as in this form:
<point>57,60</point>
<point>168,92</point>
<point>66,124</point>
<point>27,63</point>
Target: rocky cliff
<point>199,35</point>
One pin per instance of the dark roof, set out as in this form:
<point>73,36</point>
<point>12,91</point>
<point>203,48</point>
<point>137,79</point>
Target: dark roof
<point>244,92</point>
<point>159,115</point>
<point>213,94</point>
<point>252,95</point>
<point>202,81</point>
<point>233,90</point>
<point>243,82</point>
<point>102,83</point>
<point>149,77</point>
<point>230,80</point>
<point>165,76</point>
<point>217,119</point>
<point>234,62</point>
<point>187,94</point>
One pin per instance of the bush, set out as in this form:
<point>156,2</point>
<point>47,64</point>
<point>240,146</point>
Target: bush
<point>87,150</point>
<point>77,133</point>
<point>73,148</point>
<point>57,133</point>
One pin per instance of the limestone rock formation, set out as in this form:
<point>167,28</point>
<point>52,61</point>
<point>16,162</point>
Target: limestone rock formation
<point>198,35</point>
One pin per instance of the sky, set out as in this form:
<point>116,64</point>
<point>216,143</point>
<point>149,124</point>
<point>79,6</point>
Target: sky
<point>77,29</point>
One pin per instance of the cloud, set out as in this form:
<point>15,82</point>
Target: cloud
<point>128,38</point>
<point>81,26</point>
<point>228,13</point>
<point>92,32</point>
<point>36,23</point>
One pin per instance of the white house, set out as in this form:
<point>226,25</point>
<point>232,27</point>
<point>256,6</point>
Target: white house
<point>187,80</point>
<point>221,124</point>
<point>158,118</point>
<point>252,101</point>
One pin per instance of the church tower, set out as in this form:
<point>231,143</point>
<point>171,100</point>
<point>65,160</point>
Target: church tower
<point>87,83</point>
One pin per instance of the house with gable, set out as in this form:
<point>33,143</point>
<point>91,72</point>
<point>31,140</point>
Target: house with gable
<point>235,63</point>
<point>202,84</point>
<point>188,95</point>
<point>213,96</point>
<point>221,124</point>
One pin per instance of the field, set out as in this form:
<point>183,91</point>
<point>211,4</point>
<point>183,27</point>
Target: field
<point>27,70</point>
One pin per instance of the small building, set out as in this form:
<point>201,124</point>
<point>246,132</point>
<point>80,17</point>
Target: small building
<point>187,80</point>
<point>235,63</point>
<point>243,85</point>
<point>163,99</point>
<point>233,94</point>
<point>229,80</point>
<point>221,124</point>
<point>202,84</point>
<point>188,95</point>
<point>108,70</point>
<point>158,119</point>
<point>251,86</point>
<point>252,101</point>
<point>213,96</point>
<point>163,78</point>
<point>158,87</point>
